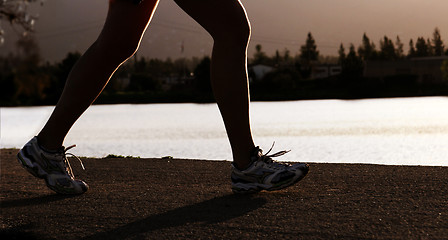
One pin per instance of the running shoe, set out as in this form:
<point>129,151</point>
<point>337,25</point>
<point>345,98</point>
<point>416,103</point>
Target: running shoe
<point>266,174</point>
<point>53,167</point>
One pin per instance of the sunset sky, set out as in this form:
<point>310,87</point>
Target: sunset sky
<point>72,25</point>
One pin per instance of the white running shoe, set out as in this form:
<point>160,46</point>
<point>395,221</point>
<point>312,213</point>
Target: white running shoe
<point>266,174</point>
<point>51,166</point>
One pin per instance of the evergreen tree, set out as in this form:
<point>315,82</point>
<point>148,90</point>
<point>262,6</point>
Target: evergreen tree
<point>351,56</point>
<point>285,59</point>
<point>308,52</point>
<point>412,51</point>
<point>437,43</point>
<point>430,47</point>
<point>342,54</point>
<point>308,56</point>
<point>353,64</point>
<point>399,50</point>
<point>387,49</point>
<point>260,57</point>
<point>277,58</point>
<point>421,48</point>
<point>287,56</point>
<point>367,50</point>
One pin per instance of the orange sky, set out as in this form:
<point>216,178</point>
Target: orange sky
<point>68,25</point>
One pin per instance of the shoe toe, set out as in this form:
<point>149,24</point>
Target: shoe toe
<point>83,187</point>
<point>303,167</point>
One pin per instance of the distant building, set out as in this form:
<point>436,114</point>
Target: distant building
<point>175,79</point>
<point>260,70</point>
<point>318,71</point>
<point>425,69</point>
<point>325,70</point>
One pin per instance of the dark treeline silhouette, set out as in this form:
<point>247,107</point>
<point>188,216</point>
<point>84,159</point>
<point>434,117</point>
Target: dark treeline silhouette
<point>394,50</point>
<point>391,54</point>
<point>296,78</point>
<point>25,80</point>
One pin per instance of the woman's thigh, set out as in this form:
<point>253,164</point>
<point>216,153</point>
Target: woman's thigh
<point>219,17</point>
<point>127,21</point>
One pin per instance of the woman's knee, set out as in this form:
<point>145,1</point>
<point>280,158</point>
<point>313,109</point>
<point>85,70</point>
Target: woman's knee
<point>243,33</point>
<point>224,20</point>
<point>125,24</point>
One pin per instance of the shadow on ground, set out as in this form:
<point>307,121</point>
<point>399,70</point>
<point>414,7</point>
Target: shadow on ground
<point>215,210</point>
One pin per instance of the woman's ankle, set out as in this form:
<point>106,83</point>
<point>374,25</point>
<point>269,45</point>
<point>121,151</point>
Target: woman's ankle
<point>46,143</point>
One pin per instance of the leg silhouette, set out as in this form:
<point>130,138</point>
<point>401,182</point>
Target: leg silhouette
<point>125,24</point>
<point>229,27</point>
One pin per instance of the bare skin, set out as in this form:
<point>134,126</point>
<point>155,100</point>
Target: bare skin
<point>224,20</point>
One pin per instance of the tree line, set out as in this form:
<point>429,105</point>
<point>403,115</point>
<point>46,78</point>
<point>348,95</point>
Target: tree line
<point>389,49</point>
<point>290,78</point>
<point>352,60</point>
<point>26,80</point>
<point>394,50</point>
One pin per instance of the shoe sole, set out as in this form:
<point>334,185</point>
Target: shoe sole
<point>259,187</point>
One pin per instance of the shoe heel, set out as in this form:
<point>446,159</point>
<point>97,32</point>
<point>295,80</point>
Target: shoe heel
<point>32,170</point>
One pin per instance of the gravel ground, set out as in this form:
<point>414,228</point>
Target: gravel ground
<point>133,198</point>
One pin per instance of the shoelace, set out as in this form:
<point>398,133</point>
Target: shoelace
<point>268,158</point>
<point>67,163</point>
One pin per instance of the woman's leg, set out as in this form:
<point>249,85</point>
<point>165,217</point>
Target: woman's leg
<point>119,39</point>
<point>227,23</point>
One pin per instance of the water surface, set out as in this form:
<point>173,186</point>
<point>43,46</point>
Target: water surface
<point>403,131</point>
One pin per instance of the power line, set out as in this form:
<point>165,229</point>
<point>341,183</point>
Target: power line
<point>67,32</point>
<point>94,24</point>
<point>167,24</point>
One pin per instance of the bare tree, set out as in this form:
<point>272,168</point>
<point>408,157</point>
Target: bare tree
<point>15,12</point>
